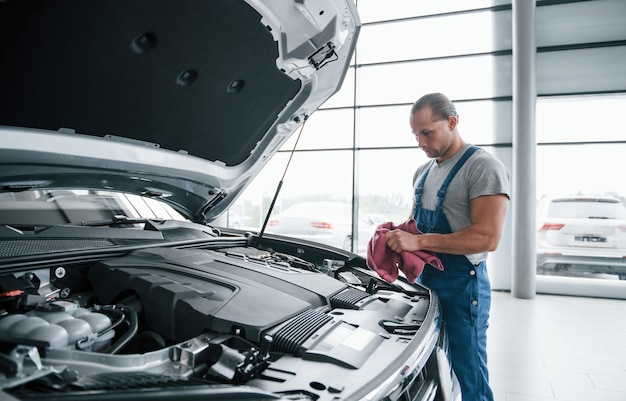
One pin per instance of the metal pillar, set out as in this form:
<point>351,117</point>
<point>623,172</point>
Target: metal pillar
<point>524,150</point>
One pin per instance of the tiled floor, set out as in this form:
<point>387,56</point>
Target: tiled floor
<point>557,348</point>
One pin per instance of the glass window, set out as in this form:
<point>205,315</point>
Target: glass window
<point>386,181</point>
<point>376,10</point>
<point>323,221</point>
<point>325,129</point>
<point>580,169</point>
<point>564,24</point>
<point>384,127</point>
<point>465,77</point>
<point>581,222</point>
<point>580,71</point>
<point>581,229</point>
<point>580,118</point>
<point>424,38</point>
<point>315,175</point>
<point>386,185</point>
<point>480,122</point>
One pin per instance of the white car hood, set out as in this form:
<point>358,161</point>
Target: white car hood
<point>180,100</point>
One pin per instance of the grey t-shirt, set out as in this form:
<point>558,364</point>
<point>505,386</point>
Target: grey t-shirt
<point>482,174</point>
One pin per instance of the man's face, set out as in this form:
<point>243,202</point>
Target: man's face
<point>434,136</point>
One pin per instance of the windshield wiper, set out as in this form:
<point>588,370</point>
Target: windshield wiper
<point>120,220</point>
<point>21,186</point>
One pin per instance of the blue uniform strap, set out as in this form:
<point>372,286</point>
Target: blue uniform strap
<point>441,194</point>
<point>420,185</point>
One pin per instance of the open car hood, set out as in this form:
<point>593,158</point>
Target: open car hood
<point>180,100</point>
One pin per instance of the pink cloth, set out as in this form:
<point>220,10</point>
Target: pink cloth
<point>386,262</point>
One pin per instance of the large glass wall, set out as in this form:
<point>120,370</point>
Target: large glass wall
<point>358,149</point>
<point>581,209</point>
<point>581,213</point>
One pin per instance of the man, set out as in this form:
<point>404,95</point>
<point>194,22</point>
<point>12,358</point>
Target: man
<point>460,204</point>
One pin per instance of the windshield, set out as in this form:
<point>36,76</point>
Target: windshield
<point>36,208</point>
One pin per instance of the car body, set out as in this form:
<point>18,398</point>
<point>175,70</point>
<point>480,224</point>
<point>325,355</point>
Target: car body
<point>325,222</point>
<point>582,235</point>
<point>127,129</point>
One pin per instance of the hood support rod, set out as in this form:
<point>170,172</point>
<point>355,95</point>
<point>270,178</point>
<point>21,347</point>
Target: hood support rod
<point>280,183</point>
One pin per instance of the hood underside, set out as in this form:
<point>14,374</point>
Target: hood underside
<point>189,97</point>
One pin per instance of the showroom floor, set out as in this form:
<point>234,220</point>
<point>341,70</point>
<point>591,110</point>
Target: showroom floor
<point>557,348</point>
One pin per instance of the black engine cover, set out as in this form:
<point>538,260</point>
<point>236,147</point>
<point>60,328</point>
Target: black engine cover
<point>187,292</point>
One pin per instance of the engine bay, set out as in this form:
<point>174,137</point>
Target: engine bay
<point>206,317</point>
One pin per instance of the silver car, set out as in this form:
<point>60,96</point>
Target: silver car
<point>582,235</point>
<point>325,222</point>
<point>127,130</point>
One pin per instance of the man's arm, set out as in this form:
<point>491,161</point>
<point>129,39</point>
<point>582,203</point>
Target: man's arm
<point>487,214</point>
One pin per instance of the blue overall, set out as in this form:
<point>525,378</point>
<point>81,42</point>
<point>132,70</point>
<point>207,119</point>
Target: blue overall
<point>464,293</point>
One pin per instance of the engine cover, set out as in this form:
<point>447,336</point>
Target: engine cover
<point>185,293</point>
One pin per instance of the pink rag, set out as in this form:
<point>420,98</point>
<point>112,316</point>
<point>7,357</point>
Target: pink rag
<point>386,262</point>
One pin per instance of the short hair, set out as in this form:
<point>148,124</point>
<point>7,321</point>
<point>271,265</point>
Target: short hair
<point>439,104</point>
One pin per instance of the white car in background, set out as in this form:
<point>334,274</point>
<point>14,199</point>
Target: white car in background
<point>582,235</point>
<point>324,222</point>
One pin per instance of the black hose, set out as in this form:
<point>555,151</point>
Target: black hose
<point>111,310</point>
<point>133,327</point>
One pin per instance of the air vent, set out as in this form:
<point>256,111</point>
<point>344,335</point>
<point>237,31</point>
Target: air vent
<point>127,385</point>
<point>348,299</point>
<point>291,336</point>
<point>30,247</point>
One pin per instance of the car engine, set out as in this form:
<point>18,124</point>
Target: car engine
<point>191,319</point>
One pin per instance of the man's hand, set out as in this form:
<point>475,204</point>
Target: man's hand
<point>400,240</point>
<point>483,235</point>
